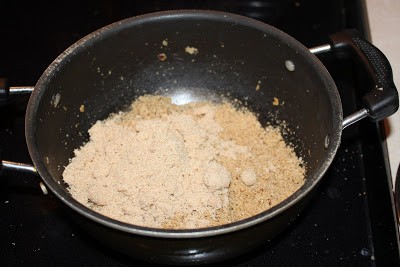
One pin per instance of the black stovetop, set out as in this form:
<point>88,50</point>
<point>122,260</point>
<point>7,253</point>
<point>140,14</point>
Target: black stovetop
<point>350,220</point>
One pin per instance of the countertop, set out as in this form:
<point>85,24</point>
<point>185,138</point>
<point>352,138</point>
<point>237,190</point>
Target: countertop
<point>384,22</point>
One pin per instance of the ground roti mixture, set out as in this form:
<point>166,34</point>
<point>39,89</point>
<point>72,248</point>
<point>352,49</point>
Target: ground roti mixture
<point>190,166</point>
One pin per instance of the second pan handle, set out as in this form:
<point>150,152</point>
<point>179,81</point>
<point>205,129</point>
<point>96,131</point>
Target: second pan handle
<point>382,99</point>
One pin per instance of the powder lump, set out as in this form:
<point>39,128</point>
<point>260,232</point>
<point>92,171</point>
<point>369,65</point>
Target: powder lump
<point>197,165</point>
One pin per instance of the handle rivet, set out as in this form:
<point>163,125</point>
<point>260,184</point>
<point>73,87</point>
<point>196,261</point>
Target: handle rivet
<point>290,65</point>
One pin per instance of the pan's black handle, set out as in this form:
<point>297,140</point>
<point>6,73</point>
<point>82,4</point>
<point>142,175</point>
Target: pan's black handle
<point>382,100</point>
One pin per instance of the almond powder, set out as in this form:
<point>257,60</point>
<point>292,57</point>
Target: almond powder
<point>182,167</point>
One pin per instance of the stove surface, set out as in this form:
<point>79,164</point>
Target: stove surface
<point>350,220</point>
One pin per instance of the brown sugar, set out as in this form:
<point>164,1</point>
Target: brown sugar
<point>197,165</point>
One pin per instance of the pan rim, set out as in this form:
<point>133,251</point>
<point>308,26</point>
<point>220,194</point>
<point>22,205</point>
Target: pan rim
<point>40,87</point>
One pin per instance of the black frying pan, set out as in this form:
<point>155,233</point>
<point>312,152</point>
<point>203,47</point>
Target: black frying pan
<point>106,70</point>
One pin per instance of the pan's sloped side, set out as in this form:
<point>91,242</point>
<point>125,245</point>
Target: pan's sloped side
<point>190,251</point>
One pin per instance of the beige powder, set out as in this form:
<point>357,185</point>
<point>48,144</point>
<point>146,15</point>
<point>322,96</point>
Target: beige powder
<point>197,165</point>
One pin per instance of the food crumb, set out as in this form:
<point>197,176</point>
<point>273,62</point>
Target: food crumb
<point>165,42</point>
<point>82,108</point>
<point>191,50</point>
<point>276,101</point>
<point>162,56</point>
<point>258,85</point>
<point>44,189</point>
<point>55,100</point>
<point>249,177</point>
